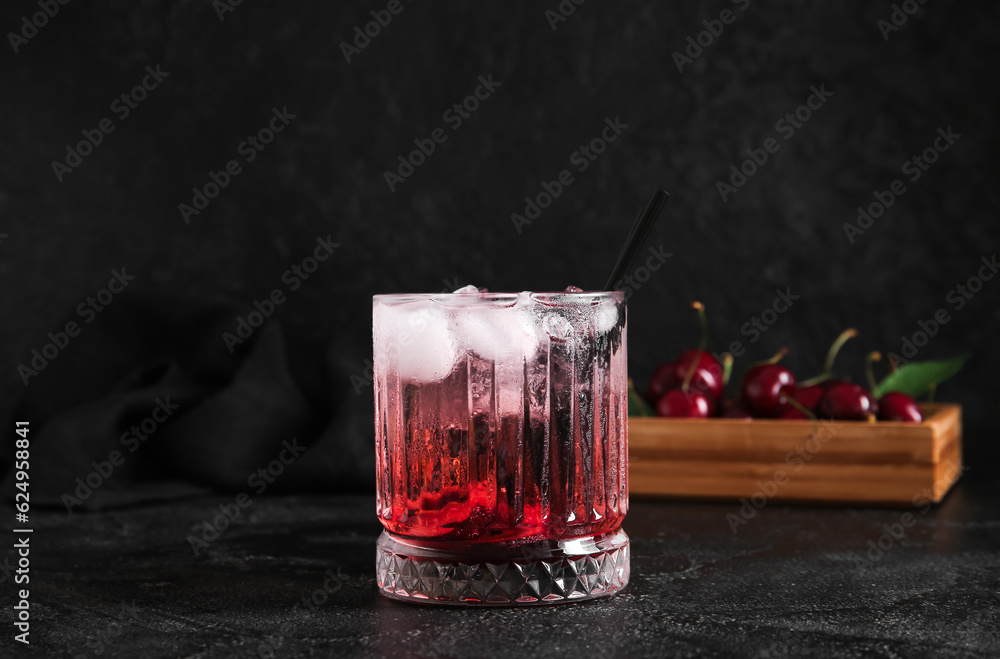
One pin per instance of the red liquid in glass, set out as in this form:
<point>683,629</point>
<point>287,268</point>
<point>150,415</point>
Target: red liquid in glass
<point>557,470</point>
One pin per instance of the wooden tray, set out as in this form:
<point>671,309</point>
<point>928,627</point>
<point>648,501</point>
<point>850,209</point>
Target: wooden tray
<point>900,464</point>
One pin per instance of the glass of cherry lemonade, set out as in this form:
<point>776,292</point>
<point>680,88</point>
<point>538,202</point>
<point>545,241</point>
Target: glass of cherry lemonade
<point>501,424</point>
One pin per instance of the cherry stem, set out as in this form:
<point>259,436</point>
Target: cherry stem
<point>831,356</point>
<point>727,368</point>
<point>801,408</point>
<point>822,377</point>
<point>931,390</point>
<point>777,357</point>
<point>701,346</point>
<point>873,356</point>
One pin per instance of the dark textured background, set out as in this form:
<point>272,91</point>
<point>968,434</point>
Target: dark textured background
<point>451,220</point>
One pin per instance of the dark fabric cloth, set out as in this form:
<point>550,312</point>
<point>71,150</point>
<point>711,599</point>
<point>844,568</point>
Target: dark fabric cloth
<point>149,403</point>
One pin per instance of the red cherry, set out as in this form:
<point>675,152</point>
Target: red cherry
<point>678,403</point>
<point>808,397</point>
<point>707,371</point>
<point>897,406</point>
<point>763,387</point>
<point>661,381</point>
<point>846,401</point>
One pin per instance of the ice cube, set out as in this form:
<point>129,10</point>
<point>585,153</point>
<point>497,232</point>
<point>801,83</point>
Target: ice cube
<point>607,315</point>
<point>502,330</point>
<point>466,296</point>
<point>489,332</point>
<point>416,336</point>
<point>527,322</point>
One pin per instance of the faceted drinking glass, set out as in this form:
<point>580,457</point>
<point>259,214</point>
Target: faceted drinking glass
<point>501,429</point>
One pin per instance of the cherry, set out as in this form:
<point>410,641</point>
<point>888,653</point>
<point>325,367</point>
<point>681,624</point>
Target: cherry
<point>764,386</point>
<point>897,406</point>
<point>707,375</point>
<point>661,381</point>
<point>700,375</point>
<point>680,403</point>
<point>850,402</point>
<point>808,397</point>
<point>894,405</point>
<point>697,368</point>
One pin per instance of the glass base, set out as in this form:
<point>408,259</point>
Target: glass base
<point>502,574</point>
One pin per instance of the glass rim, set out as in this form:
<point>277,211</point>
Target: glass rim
<point>550,297</point>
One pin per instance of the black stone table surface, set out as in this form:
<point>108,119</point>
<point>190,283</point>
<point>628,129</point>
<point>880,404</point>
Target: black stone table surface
<point>294,577</point>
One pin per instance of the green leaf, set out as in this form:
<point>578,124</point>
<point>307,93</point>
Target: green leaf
<point>636,405</point>
<point>917,378</point>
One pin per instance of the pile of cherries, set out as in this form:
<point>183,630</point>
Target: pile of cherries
<point>692,386</point>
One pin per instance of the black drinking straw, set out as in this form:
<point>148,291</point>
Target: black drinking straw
<point>637,237</point>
